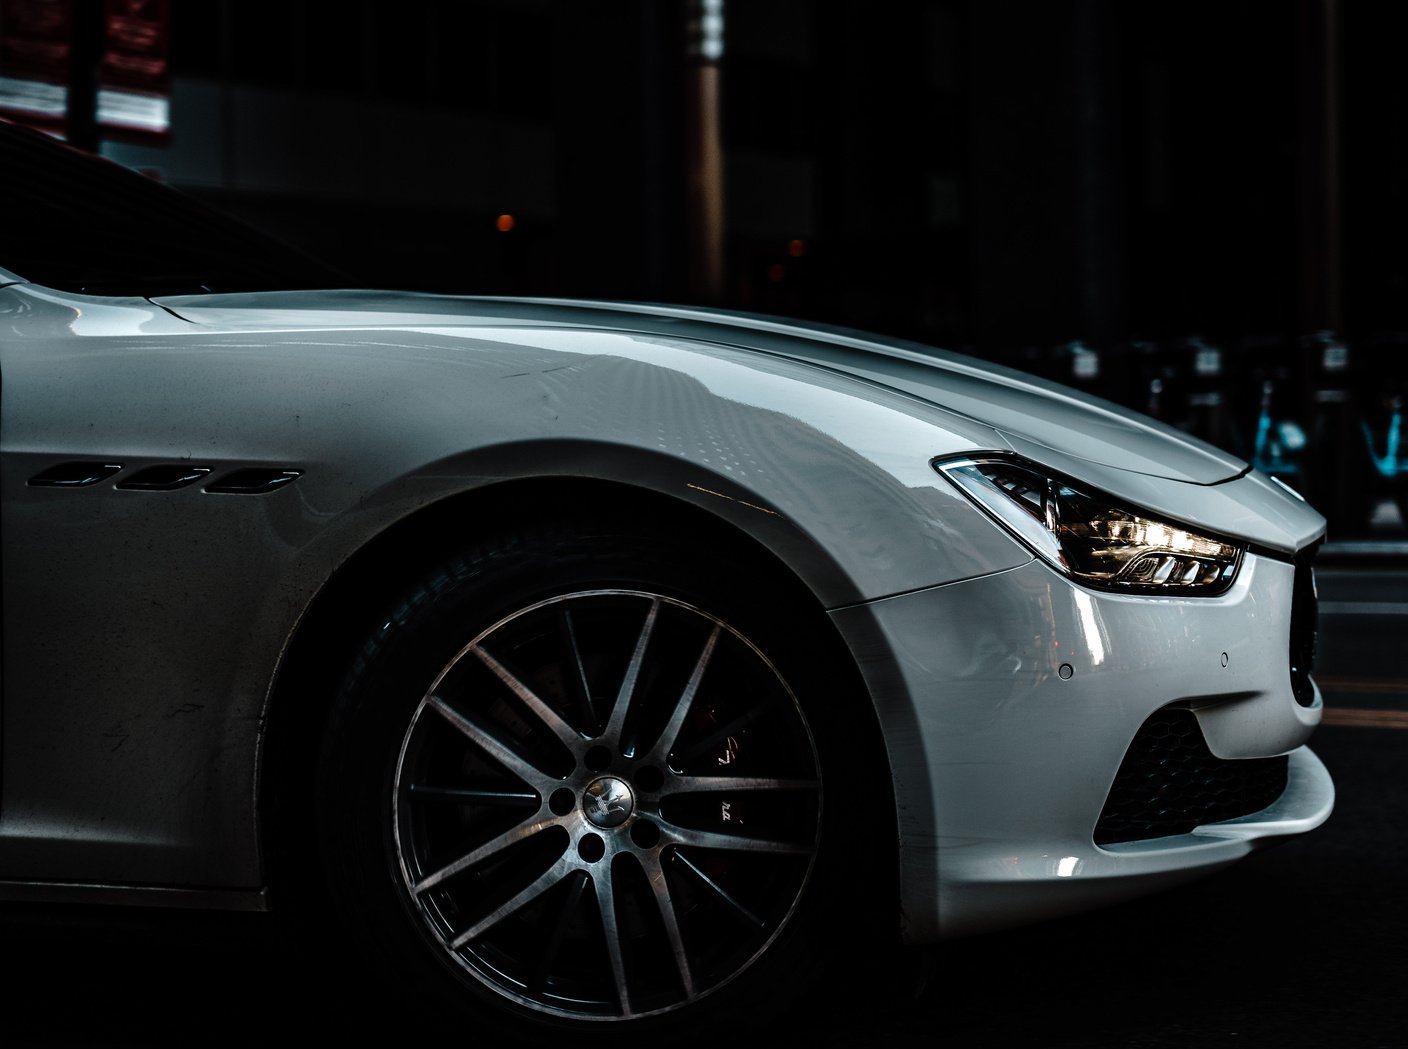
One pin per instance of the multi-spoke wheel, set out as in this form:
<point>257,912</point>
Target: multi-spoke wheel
<point>593,793</point>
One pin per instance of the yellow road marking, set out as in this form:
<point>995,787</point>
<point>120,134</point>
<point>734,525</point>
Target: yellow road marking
<point>1360,718</point>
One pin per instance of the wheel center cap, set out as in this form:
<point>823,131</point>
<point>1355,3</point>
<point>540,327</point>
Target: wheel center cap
<point>608,802</point>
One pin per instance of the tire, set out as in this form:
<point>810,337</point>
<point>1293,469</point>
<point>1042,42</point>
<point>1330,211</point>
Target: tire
<point>580,783</point>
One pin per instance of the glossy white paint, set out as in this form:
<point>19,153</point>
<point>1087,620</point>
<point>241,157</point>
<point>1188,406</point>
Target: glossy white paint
<point>1008,400</point>
<point>1103,444</point>
<point>816,442</point>
<point>1010,764</point>
<point>158,712</point>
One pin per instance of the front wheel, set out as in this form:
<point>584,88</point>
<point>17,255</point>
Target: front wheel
<point>580,783</point>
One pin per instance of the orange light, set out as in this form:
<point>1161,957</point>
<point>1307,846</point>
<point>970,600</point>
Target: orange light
<point>777,271</point>
<point>796,248</point>
<point>504,223</point>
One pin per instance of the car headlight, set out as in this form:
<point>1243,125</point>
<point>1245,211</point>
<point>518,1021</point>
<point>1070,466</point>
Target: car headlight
<point>1088,537</point>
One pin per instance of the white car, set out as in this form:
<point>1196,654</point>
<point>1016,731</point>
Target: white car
<point>597,666</point>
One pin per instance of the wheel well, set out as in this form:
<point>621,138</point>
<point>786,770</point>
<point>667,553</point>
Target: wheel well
<point>367,585</point>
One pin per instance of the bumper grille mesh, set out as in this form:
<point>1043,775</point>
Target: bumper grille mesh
<point>1170,783</point>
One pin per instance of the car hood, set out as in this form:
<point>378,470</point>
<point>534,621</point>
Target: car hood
<point>1042,419</point>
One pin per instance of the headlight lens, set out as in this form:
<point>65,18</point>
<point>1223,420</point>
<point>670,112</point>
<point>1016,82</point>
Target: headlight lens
<point>1090,539</point>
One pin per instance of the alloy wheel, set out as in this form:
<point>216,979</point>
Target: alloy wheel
<point>606,806</point>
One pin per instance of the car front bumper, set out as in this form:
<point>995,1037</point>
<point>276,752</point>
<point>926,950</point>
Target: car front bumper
<point>1008,703</point>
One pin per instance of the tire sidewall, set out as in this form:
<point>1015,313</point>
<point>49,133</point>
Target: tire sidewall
<point>439,616</point>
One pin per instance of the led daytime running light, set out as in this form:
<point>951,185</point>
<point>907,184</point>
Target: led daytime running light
<point>1089,538</point>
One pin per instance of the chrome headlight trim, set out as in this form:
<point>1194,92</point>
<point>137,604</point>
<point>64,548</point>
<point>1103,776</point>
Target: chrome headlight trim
<point>1096,539</point>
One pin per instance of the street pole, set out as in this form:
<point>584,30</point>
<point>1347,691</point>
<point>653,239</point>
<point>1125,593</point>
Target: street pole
<point>704,156</point>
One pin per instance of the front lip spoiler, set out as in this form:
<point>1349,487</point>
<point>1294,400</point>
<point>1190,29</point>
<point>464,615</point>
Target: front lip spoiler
<point>1306,803</point>
<point>1061,878</point>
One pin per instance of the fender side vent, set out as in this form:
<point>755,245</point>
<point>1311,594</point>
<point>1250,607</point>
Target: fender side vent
<point>73,475</point>
<point>255,480</point>
<point>164,478</point>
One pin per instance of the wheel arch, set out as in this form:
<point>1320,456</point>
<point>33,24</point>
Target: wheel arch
<point>344,611</point>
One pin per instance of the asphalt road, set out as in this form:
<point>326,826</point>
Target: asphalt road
<point>1302,945</point>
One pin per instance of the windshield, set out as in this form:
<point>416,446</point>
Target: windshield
<point>79,223</point>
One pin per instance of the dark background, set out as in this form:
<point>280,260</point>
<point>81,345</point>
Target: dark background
<point>967,173</point>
